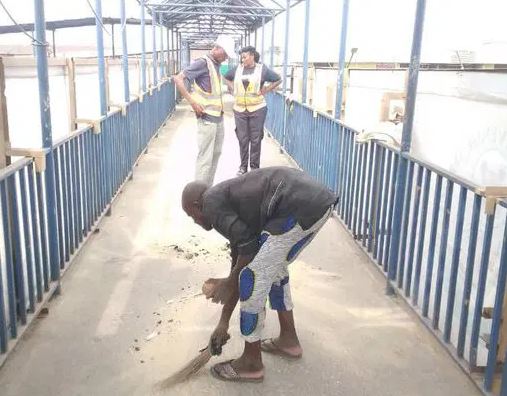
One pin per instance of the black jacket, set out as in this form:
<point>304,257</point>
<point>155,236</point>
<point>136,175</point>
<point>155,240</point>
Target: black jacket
<point>263,199</point>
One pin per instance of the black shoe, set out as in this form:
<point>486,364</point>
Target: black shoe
<point>241,171</point>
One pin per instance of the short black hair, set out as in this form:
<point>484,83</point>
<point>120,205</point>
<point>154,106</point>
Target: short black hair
<point>257,57</point>
<point>250,49</point>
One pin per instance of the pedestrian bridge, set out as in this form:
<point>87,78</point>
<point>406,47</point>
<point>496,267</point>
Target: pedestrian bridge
<point>402,293</point>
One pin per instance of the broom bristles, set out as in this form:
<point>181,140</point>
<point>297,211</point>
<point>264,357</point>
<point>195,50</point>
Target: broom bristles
<point>188,370</point>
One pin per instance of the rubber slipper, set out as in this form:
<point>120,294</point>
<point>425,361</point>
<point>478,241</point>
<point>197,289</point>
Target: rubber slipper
<point>269,346</point>
<point>225,372</point>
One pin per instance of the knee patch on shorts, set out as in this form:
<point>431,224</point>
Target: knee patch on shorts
<point>246,283</point>
<point>248,322</point>
<point>277,295</point>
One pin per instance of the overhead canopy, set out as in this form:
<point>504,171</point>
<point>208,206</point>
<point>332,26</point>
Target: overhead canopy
<point>200,22</point>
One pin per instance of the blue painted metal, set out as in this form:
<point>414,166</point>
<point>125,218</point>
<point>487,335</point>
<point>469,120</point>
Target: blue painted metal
<point>17,258</point>
<point>9,265</point>
<point>66,202</point>
<point>497,315</point>
<point>372,223</point>
<point>406,139</point>
<point>389,221</point>
<point>358,216</point>
<point>422,232</point>
<point>286,47</point>
<point>162,61</point>
<point>455,264</point>
<point>341,59</point>
<point>35,232</point>
<point>379,193</point>
<point>305,50</point>
<point>469,273</point>
<point>4,337</point>
<point>413,230</point>
<point>100,57</point>
<point>47,139</point>
<point>43,235</point>
<point>143,47</point>
<point>29,264</point>
<point>59,206</point>
<point>404,229</point>
<point>154,42</point>
<point>481,287</point>
<point>431,247</point>
<point>124,53</point>
<point>442,255</point>
<point>263,39</point>
<point>365,227</point>
<point>385,209</point>
<point>272,50</point>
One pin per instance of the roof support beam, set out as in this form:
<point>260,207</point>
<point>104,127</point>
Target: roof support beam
<point>213,5</point>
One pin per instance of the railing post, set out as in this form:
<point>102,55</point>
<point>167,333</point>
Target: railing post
<point>406,140</point>
<point>286,47</point>
<point>285,61</point>
<point>47,139</point>
<point>100,57</point>
<point>162,72</point>
<point>168,62</point>
<point>143,49</point>
<point>341,61</point>
<point>4,121</point>
<point>305,53</point>
<point>125,54</point>
<point>71,84</point>
<point>262,41</point>
<point>154,38</point>
<point>272,54</point>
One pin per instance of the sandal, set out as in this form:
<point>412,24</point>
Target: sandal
<point>225,372</point>
<point>268,345</point>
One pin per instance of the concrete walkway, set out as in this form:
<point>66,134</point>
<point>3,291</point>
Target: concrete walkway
<point>128,315</point>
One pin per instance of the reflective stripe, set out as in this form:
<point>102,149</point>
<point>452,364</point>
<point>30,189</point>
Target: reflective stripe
<point>249,98</point>
<point>210,101</point>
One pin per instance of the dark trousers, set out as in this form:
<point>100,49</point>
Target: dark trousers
<point>250,131</point>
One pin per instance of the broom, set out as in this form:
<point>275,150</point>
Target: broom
<point>188,370</point>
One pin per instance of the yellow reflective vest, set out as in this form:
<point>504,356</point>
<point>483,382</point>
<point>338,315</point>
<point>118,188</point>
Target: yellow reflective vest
<point>248,98</point>
<point>210,101</point>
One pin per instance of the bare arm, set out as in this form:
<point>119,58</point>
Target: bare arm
<point>265,89</point>
<point>179,81</point>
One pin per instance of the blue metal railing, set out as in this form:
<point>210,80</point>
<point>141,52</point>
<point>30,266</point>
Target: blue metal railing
<point>452,262</point>
<point>90,169</point>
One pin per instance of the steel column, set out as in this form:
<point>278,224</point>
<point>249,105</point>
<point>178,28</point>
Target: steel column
<point>161,47</point>
<point>305,53</point>
<point>341,61</point>
<point>143,48</point>
<point>272,54</point>
<point>125,59</point>
<point>100,57</point>
<point>154,40</point>
<point>262,42</point>
<point>47,139</point>
<point>406,139</point>
<point>286,47</point>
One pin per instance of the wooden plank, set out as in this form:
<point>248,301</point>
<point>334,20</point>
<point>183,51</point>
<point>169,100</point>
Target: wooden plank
<point>71,84</point>
<point>5,159</point>
<point>18,61</point>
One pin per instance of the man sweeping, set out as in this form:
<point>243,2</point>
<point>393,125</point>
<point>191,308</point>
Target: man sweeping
<point>269,216</point>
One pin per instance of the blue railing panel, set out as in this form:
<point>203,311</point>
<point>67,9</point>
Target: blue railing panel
<point>442,228</point>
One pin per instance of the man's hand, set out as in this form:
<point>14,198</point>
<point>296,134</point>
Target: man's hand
<point>220,290</point>
<point>198,109</point>
<point>264,90</point>
<point>218,339</point>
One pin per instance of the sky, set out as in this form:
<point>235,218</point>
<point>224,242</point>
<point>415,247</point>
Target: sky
<point>381,30</point>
